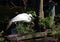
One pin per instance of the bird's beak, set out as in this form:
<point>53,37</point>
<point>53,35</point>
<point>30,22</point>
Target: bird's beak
<point>33,18</point>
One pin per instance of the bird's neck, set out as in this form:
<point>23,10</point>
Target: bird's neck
<point>29,19</point>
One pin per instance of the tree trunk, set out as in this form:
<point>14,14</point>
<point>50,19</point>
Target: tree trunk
<point>41,13</point>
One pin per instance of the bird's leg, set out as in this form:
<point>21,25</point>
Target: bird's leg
<point>15,22</point>
<point>31,24</point>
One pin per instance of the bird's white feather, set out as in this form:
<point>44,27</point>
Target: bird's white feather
<point>21,17</point>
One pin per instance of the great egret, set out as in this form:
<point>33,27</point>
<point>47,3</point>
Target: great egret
<point>20,17</point>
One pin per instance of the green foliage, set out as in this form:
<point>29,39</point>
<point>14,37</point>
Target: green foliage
<point>31,11</point>
<point>24,28</point>
<point>55,31</point>
<point>41,21</point>
<point>1,39</point>
<point>46,22</point>
<point>57,19</point>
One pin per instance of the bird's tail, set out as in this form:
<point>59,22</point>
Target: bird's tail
<point>9,24</point>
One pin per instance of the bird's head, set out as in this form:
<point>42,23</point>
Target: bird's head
<point>30,15</point>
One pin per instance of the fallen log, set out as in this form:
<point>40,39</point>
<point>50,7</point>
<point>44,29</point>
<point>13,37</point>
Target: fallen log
<point>25,37</point>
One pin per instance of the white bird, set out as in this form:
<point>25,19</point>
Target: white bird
<point>21,17</point>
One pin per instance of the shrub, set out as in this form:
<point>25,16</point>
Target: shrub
<point>46,22</point>
<point>24,28</point>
